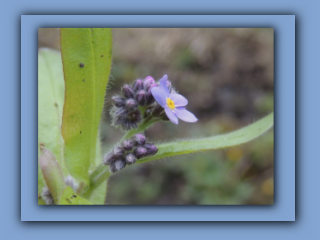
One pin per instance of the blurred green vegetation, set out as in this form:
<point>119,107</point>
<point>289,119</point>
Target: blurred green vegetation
<point>227,76</point>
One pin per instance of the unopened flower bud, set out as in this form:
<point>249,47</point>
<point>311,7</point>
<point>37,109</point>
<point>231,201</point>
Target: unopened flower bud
<point>120,111</point>
<point>109,158</point>
<point>141,97</point>
<point>118,152</point>
<point>130,158</point>
<point>112,168</point>
<point>134,116</point>
<point>151,149</point>
<point>147,82</point>
<point>138,85</point>
<point>131,104</point>
<point>119,164</point>
<point>118,101</point>
<point>149,98</point>
<point>140,152</point>
<point>127,91</point>
<point>139,139</point>
<point>127,145</point>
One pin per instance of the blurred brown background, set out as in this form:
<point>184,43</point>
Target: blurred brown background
<point>227,76</point>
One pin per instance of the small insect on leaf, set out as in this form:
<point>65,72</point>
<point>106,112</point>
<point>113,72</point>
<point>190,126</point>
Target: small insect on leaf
<point>71,198</point>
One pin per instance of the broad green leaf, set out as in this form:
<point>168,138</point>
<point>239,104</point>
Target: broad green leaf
<point>232,139</point>
<point>86,57</point>
<point>50,105</point>
<point>70,198</point>
<point>52,173</point>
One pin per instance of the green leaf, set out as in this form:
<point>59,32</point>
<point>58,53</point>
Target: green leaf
<point>52,173</point>
<point>232,139</point>
<point>50,105</point>
<point>70,198</point>
<point>241,136</point>
<point>86,57</point>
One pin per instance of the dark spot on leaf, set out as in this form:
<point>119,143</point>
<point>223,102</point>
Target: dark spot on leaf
<point>73,196</point>
<point>81,65</point>
<point>68,200</point>
<point>80,132</point>
<point>56,104</point>
<point>84,80</point>
<point>101,56</point>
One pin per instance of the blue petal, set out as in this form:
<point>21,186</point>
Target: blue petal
<point>185,115</point>
<point>173,118</point>
<point>179,100</point>
<point>163,84</point>
<point>159,95</point>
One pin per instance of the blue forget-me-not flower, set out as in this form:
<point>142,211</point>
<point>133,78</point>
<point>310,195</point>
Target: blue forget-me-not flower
<point>173,103</point>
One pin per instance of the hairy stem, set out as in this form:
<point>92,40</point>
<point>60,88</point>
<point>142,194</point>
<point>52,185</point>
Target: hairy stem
<point>143,126</point>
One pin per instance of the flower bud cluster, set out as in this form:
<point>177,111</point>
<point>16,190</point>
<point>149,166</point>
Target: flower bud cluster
<point>125,111</point>
<point>128,152</point>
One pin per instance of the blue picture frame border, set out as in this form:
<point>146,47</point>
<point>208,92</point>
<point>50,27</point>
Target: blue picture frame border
<point>284,204</point>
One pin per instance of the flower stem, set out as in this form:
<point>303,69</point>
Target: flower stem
<point>101,173</point>
<point>143,126</point>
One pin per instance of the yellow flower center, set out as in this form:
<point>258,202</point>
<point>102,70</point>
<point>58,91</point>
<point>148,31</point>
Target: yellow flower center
<point>170,103</point>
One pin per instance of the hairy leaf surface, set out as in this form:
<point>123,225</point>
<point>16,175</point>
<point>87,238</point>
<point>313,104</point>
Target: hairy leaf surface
<point>86,57</point>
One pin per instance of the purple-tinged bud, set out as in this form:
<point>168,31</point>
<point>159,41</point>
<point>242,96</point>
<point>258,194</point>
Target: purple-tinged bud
<point>140,152</point>
<point>134,117</point>
<point>138,85</point>
<point>151,149</point>
<point>141,97</point>
<point>113,168</point>
<point>121,111</point>
<point>131,104</point>
<point>149,98</point>
<point>118,101</point>
<point>130,158</point>
<point>109,158</point>
<point>127,145</point>
<point>127,125</point>
<point>119,164</point>
<point>118,152</point>
<point>139,139</point>
<point>147,82</point>
<point>127,91</point>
